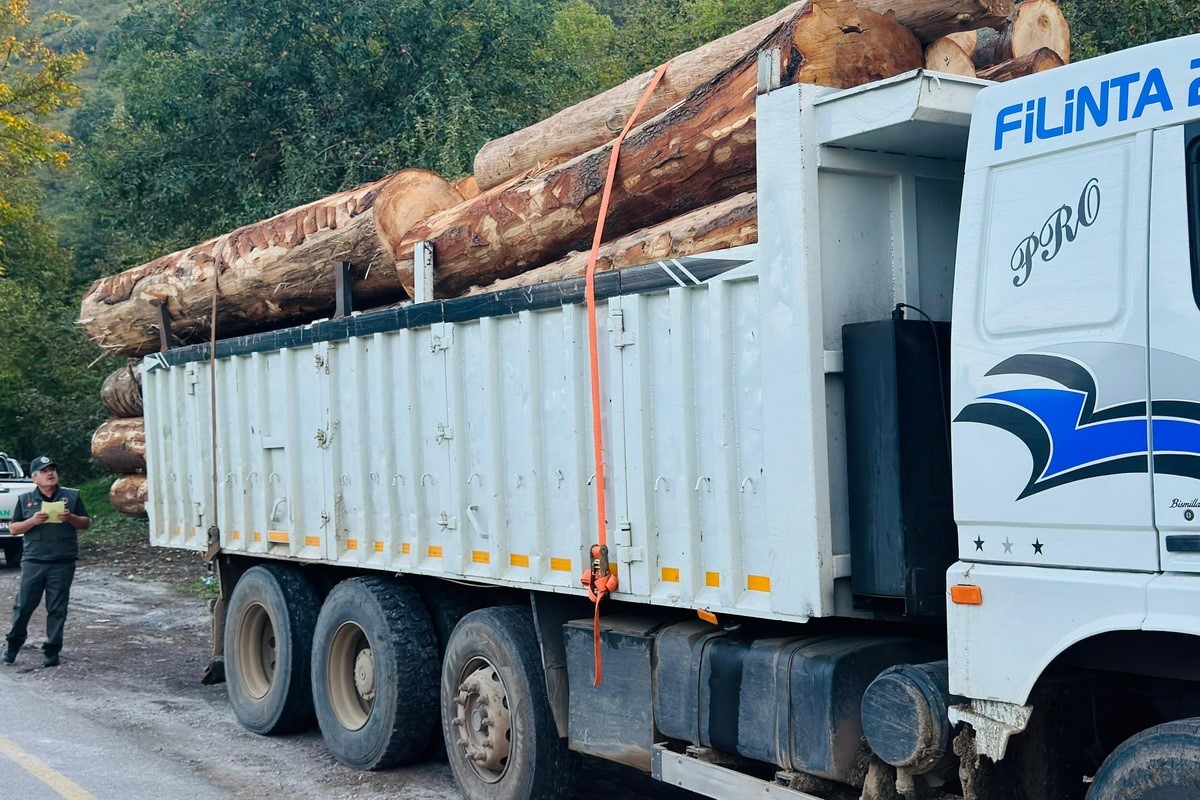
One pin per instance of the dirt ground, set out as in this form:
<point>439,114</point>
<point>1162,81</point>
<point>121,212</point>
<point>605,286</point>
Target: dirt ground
<point>137,642</point>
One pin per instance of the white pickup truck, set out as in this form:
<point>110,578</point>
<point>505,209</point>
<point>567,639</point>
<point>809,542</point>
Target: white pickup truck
<point>13,484</point>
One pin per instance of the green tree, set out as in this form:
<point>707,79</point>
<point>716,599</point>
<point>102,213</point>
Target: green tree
<point>1106,26</point>
<point>234,110</point>
<point>34,83</point>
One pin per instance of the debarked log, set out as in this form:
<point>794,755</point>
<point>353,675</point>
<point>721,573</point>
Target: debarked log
<point>129,495</point>
<point>119,445</point>
<point>121,392</point>
<point>271,273</point>
<point>730,223</point>
<point>697,153</point>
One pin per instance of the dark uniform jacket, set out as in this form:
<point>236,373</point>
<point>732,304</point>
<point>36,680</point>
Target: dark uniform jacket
<point>50,542</point>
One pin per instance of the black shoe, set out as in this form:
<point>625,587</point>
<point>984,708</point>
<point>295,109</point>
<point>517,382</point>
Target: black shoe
<point>50,661</point>
<point>9,656</point>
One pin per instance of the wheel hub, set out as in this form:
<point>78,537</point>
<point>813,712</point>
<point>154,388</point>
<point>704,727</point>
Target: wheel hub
<point>484,722</point>
<point>364,674</point>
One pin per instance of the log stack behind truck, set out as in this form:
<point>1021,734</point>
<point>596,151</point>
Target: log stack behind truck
<point>899,496</point>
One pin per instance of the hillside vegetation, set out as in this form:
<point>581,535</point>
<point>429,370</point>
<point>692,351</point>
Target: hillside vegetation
<point>196,116</point>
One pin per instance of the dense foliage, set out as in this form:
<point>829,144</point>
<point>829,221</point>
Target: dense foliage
<point>200,115</point>
<point>47,389</point>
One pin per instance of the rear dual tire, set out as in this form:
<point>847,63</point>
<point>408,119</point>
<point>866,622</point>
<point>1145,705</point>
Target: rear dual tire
<point>375,674</point>
<point>268,641</point>
<point>500,735</point>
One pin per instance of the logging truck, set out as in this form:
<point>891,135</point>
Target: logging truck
<point>900,500</point>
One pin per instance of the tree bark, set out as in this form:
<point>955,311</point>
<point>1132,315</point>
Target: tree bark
<point>947,55</point>
<point>696,153</point>
<point>592,122</point>
<point>119,445</point>
<point>122,390</point>
<point>129,495</point>
<point>1037,61</point>
<point>730,223</point>
<point>273,272</point>
<point>930,19</point>
<point>1034,24</point>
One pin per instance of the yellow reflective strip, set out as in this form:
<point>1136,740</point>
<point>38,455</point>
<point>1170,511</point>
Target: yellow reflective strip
<point>379,547</point>
<point>257,536</point>
<point>352,544</point>
<point>712,579</point>
<point>481,557</point>
<point>237,535</point>
<point>277,536</point>
<point>406,548</point>
<point>435,551</point>
<point>670,574</point>
<point>66,788</point>
<point>612,568</point>
<point>560,564</point>
<point>758,583</point>
<point>518,560</point>
<point>312,541</point>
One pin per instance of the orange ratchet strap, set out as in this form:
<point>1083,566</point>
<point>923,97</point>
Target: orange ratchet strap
<point>598,579</point>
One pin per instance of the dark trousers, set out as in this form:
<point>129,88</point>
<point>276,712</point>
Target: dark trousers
<point>55,581</point>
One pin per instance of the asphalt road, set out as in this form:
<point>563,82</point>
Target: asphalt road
<point>125,716</point>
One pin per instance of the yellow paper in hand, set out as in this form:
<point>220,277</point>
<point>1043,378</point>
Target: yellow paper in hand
<point>55,510</point>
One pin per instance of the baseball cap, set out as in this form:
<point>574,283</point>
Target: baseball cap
<point>41,462</point>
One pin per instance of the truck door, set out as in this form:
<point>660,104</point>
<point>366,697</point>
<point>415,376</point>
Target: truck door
<point>1175,344</point>
<point>1050,361</point>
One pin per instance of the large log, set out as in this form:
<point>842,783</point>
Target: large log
<point>122,390</point>
<point>274,272</point>
<point>129,495</point>
<point>947,55</point>
<point>1037,61</point>
<point>730,223</point>
<point>696,153</point>
<point>592,122</point>
<point>119,445</point>
<point>1034,24</point>
<point>930,19</point>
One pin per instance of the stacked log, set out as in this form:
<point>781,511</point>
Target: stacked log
<point>271,274</point>
<point>527,214</point>
<point>1035,37</point>
<point>119,444</point>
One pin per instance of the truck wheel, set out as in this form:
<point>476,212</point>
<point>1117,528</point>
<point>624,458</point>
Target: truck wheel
<point>1160,763</point>
<point>13,551</point>
<point>374,673</point>
<point>500,735</point>
<point>268,637</point>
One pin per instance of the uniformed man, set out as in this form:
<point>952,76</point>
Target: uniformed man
<point>49,518</point>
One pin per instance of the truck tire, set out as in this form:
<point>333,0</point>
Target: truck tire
<point>500,735</point>
<point>1160,763</point>
<point>375,674</point>
<point>13,552</point>
<point>268,638</point>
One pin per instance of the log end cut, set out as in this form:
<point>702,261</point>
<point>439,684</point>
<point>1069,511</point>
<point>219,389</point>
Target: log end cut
<point>843,45</point>
<point>129,494</point>
<point>407,198</point>
<point>119,445</point>
<point>947,55</point>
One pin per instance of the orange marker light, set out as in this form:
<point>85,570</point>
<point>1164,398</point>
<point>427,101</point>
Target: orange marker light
<point>966,595</point>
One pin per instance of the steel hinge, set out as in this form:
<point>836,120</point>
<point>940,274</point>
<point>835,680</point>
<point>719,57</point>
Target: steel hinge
<point>616,329</point>
<point>444,432</point>
<point>441,338</point>
<point>447,522</point>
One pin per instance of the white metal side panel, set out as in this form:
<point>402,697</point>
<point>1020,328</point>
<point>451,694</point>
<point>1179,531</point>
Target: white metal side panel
<point>272,457</point>
<point>694,439</point>
<point>523,474</point>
